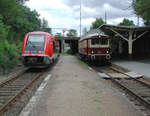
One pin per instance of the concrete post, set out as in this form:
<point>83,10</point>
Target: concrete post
<point>120,47</point>
<point>63,41</point>
<point>130,44</point>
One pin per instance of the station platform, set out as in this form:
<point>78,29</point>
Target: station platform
<point>141,67</point>
<point>71,89</point>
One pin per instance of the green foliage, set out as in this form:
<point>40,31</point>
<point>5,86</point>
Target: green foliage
<point>127,22</point>
<point>3,30</point>
<point>8,55</point>
<point>142,9</point>
<point>98,22</point>
<point>83,64</point>
<point>22,1</point>
<point>9,9</point>
<point>72,33</point>
<point>16,19</point>
<point>44,23</point>
<point>67,53</point>
<point>44,26</point>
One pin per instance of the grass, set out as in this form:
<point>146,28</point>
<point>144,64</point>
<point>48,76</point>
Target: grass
<point>67,53</point>
<point>83,64</point>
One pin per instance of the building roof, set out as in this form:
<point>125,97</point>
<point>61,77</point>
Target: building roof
<point>106,28</point>
<point>67,38</point>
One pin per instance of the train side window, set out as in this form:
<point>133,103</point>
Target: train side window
<point>97,41</point>
<point>93,41</point>
<point>104,41</point>
<point>54,47</point>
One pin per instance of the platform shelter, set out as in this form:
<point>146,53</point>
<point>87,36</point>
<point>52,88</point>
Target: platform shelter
<point>130,34</point>
<point>73,42</point>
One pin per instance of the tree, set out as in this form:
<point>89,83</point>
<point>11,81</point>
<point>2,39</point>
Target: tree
<point>3,30</point>
<point>127,22</point>
<point>44,23</point>
<point>72,33</point>
<point>27,21</point>
<point>45,26</point>
<point>98,22</point>
<point>22,1</point>
<point>142,9</point>
<point>16,19</point>
<point>10,10</point>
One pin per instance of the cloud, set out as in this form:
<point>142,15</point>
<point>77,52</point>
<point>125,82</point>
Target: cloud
<point>46,4</point>
<point>66,13</point>
<point>120,4</point>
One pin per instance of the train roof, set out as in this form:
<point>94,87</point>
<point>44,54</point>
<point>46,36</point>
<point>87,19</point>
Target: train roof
<point>93,33</point>
<point>39,32</point>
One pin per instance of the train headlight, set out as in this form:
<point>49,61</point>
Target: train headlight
<point>92,52</point>
<point>41,52</point>
<point>27,51</point>
<point>107,52</point>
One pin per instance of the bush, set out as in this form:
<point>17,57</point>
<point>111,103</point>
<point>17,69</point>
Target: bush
<point>8,50</point>
<point>8,55</point>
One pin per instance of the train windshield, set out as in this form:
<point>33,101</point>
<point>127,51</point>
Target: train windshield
<point>103,41</point>
<point>35,43</point>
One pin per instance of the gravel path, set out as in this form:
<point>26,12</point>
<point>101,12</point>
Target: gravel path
<point>74,90</point>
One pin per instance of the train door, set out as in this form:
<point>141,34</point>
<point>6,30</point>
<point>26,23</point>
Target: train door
<point>87,48</point>
<point>54,47</point>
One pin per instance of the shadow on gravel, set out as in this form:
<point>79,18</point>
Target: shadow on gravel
<point>42,69</point>
<point>98,63</point>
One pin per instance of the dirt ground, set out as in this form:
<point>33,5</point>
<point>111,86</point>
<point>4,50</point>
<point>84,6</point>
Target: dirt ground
<point>74,90</point>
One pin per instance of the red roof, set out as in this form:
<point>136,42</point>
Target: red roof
<point>39,32</point>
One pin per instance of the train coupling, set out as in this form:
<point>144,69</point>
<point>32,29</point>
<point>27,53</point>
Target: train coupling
<point>108,56</point>
<point>93,57</point>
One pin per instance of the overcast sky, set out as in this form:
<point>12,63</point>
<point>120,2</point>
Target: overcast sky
<point>66,13</point>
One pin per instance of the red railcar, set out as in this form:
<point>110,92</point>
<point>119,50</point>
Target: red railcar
<point>95,45</point>
<point>39,49</point>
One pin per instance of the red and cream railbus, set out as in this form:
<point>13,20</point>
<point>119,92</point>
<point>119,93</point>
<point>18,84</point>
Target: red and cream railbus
<point>95,46</point>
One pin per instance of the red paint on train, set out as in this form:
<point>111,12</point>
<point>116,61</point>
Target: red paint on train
<point>39,49</point>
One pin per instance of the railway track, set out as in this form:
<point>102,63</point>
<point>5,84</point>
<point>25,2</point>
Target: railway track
<point>136,88</point>
<point>12,89</point>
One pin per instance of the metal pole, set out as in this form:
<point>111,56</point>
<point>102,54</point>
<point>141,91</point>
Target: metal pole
<point>105,17</point>
<point>138,21</point>
<point>80,18</point>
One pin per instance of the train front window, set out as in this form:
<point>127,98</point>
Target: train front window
<point>93,41</point>
<point>97,41</point>
<point>35,42</point>
<point>101,41</point>
<point>104,41</point>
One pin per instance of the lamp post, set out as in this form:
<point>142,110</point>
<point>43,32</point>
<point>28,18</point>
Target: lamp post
<point>80,18</point>
<point>63,41</point>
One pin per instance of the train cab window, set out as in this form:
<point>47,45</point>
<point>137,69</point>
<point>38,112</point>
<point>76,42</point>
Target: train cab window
<point>93,41</point>
<point>104,41</point>
<point>54,46</point>
<point>35,41</point>
<point>97,41</point>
